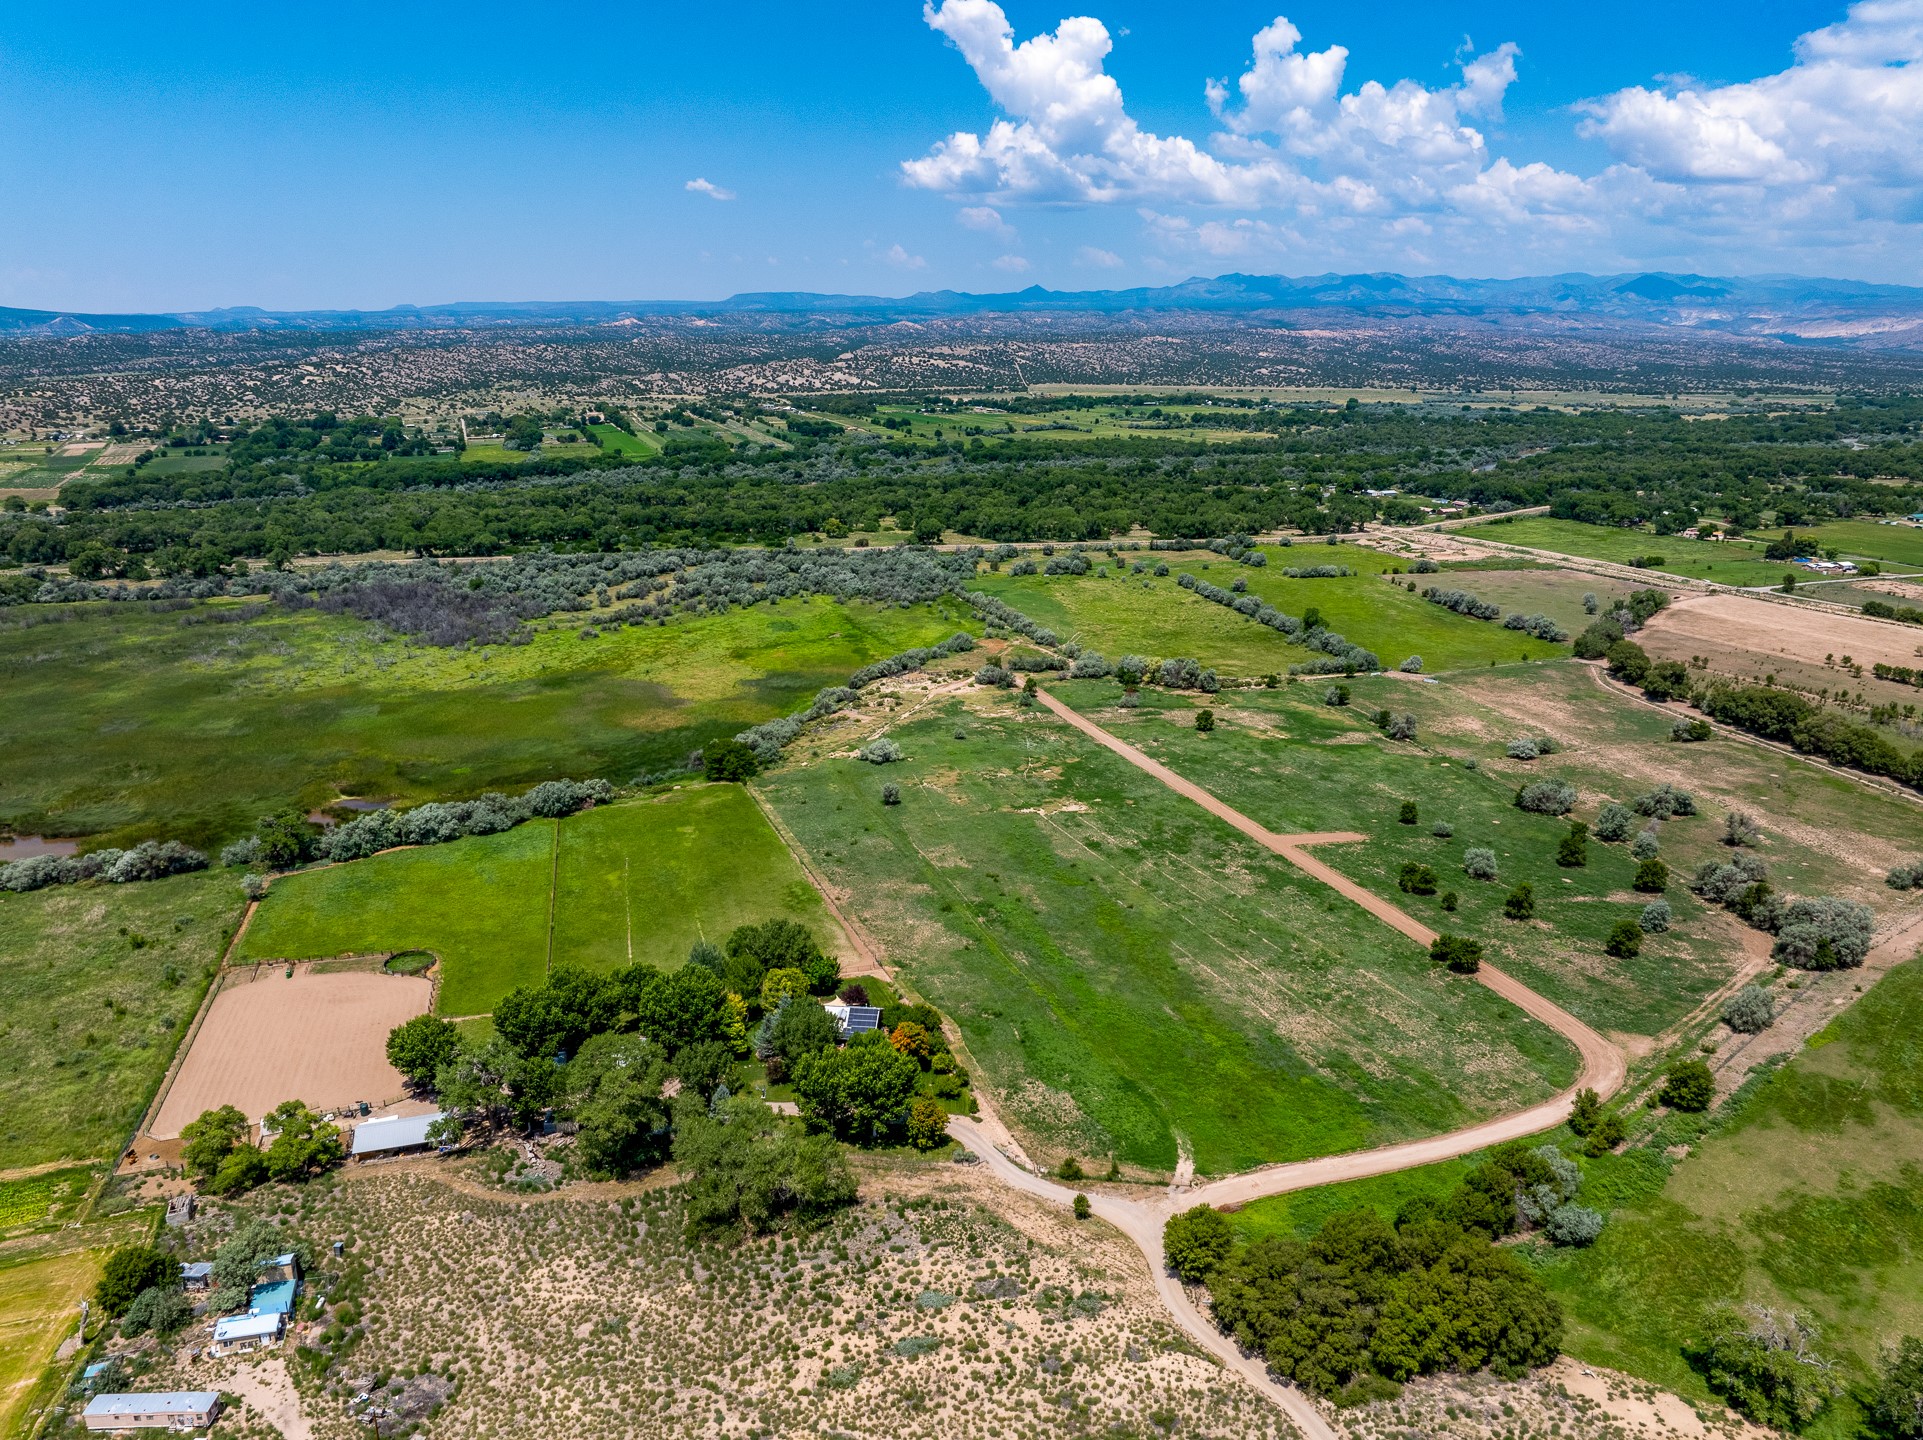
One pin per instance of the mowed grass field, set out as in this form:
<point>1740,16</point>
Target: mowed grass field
<point>616,441</point>
<point>1154,617</point>
<point>1731,562</point>
<point>97,986</point>
<point>127,724</point>
<point>1134,977</point>
<point>641,880</point>
<point>39,1305</point>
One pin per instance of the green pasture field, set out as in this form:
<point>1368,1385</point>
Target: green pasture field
<point>642,880</point>
<point>495,454</point>
<point>89,1019</point>
<point>1134,976</point>
<point>124,724</point>
<point>1296,764</point>
<point>39,1305</point>
<point>176,463</point>
<point>1730,562</point>
<point>1809,1196</point>
<point>617,441</point>
<point>1898,546</point>
<point>1156,618</point>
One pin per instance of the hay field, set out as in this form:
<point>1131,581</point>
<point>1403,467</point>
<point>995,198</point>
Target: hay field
<point>39,1306</point>
<point>321,1038</point>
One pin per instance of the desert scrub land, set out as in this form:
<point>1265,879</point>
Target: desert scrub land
<point>190,720</point>
<point>939,1306</point>
<point>1135,978</point>
<point>97,986</point>
<point>639,880</point>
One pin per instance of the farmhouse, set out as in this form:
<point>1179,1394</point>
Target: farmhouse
<point>153,1410</point>
<point>237,1334</point>
<point>854,1019</point>
<point>392,1135</point>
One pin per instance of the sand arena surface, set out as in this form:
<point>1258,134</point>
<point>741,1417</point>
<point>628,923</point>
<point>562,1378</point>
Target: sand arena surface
<point>317,1038</point>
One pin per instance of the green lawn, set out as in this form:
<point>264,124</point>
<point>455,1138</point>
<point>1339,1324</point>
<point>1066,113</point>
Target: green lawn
<point>641,880</point>
<point>1810,1196</point>
<point>1732,562</point>
<point>616,441</point>
<point>89,1019</point>
<point>1132,974</point>
<point>126,724</point>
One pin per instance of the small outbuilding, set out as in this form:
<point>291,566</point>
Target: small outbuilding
<point>196,1276</point>
<point>281,1267</point>
<point>392,1135</point>
<point>153,1410</point>
<point>180,1209</point>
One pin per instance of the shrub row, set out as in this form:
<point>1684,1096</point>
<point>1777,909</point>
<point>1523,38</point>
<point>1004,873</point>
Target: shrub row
<point>1784,716</point>
<point>149,860</point>
<point>438,822</point>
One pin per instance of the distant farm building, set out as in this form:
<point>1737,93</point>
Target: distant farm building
<point>158,1410</point>
<point>854,1019</point>
<point>394,1135</point>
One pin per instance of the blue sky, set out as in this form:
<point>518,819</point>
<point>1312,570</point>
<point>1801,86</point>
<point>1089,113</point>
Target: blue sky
<point>197,155</point>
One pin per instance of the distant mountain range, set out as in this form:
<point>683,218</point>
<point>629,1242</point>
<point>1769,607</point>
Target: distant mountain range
<point>1789,308</point>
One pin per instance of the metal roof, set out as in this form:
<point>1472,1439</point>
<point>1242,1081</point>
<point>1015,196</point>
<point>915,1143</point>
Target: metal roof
<point>247,1327</point>
<point>153,1402</point>
<point>396,1132</point>
<point>198,1270</point>
<point>274,1299</point>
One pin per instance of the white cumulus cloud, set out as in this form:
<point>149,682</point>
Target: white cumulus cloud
<point>1808,167</point>
<point>1101,259</point>
<point>701,186</point>
<point>895,255</point>
<point>1014,264</point>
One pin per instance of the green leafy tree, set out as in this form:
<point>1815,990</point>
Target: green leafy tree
<point>129,1270</point>
<point>1461,954</point>
<point>1898,1406</point>
<point>1197,1242</point>
<point>1574,849</point>
<point>1408,814</point>
<point>729,760</point>
<point>1625,940</point>
<point>1081,1209</point>
<point>927,1123</point>
<point>1610,1132</point>
<point>1652,877</point>
<point>303,1143</point>
<point>244,1169</point>
<point>1204,721</point>
<point>162,1309</point>
<point>1585,1113</point>
<point>1521,903</point>
<point>1766,1367</point>
<point>778,987</point>
<point>614,1096</point>
<point>418,1048</point>
<point>743,1168</point>
<point>854,1091</point>
<point>754,950</point>
<point>1689,1086</point>
<point>678,1010</point>
<point>211,1138</point>
<point>798,1030</point>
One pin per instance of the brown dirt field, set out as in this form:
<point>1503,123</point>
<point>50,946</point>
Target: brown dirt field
<point>317,1038</point>
<point>1772,631</point>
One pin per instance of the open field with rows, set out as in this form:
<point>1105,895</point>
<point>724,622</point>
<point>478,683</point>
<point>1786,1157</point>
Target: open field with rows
<point>641,880</point>
<point>190,724</point>
<point>97,985</point>
<point>1134,977</point>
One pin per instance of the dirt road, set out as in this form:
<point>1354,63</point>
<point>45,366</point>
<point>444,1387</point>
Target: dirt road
<point>1603,1068</point>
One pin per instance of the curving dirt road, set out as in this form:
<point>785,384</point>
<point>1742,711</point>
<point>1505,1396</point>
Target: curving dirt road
<point>1603,1069</point>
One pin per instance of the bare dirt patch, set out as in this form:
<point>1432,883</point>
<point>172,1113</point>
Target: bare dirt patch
<point>1775,632</point>
<point>321,1038</point>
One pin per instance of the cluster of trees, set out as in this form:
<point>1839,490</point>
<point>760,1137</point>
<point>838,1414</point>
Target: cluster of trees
<point>1824,932</point>
<point>1785,716</point>
<point>219,1153</point>
<point>1363,1305</point>
<point>149,860</point>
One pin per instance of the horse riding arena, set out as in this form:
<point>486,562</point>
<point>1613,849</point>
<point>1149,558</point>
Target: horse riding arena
<point>319,1036</point>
